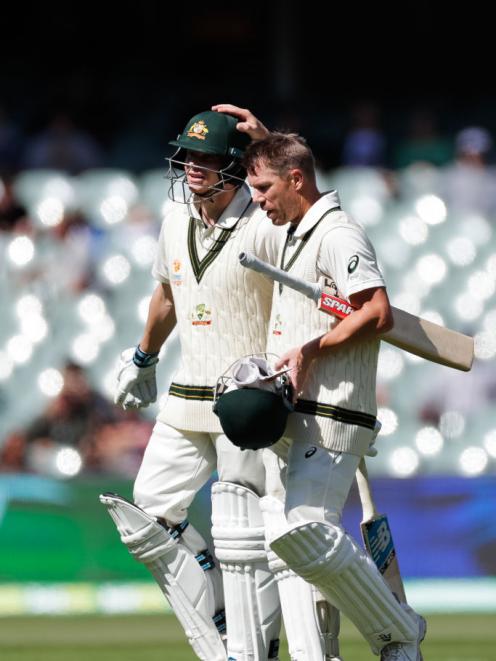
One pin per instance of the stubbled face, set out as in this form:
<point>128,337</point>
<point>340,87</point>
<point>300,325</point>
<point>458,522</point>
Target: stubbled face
<point>201,171</point>
<point>275,194</point>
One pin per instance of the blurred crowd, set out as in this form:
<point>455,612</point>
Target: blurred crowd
<point>75,248</point>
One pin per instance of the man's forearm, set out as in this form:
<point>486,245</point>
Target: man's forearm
<point>161,319</point>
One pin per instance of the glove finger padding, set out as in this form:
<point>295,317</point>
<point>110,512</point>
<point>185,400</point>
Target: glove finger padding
<point>136,386</point>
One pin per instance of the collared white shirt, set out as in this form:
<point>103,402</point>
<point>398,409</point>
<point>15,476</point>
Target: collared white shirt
<point>346,253</point>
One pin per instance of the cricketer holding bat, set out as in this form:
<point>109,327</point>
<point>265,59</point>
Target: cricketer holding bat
<point>333,371</point>
<point>221,311</point>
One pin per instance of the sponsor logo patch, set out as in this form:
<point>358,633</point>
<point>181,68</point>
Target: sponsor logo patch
<point>353,263</point>
<point>177,276</point>
<point>201,315</point>
<point>198,130</point>
<point>277,330</point>
<point>311,452</point>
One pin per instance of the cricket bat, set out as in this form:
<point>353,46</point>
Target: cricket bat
<point>410,333</point>
<point>377,537</point>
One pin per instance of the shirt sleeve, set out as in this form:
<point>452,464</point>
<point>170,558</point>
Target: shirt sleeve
<point>160,269</point>
<point>348,257</point>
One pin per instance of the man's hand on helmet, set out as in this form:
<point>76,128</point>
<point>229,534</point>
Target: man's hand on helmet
<point>248,122</point>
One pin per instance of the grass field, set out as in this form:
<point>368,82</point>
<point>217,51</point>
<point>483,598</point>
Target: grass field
<point>159,638</point>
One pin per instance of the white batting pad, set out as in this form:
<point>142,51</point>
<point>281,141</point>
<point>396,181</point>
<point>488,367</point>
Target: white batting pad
<point>324,555</point>
<point>250,591</point>
<point>176,570</point>
<point>311,624</point>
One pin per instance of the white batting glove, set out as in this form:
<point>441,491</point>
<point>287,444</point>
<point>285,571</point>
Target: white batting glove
<point>136,381</point>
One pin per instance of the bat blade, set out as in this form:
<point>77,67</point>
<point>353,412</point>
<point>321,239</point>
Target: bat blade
<point>413,334</point>
<point>378,540</point>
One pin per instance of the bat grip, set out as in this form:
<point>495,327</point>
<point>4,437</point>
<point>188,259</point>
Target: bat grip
<point>309,289</point>
<point>368,506</point>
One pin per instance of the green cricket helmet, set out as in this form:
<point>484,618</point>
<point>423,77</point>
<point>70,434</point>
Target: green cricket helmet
<point>213,133</point>
<point>253,416</point>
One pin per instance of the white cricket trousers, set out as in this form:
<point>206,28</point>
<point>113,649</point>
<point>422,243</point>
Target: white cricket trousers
<point>177,463</point>
<point>312,481</point>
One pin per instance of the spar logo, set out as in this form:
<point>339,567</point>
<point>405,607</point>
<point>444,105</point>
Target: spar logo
<point>335,306</point>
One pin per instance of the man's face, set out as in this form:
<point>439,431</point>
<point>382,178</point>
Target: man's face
<point>275,194</point>
<point>201,171</point>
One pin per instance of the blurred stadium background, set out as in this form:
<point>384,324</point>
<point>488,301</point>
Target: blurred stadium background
<point>84,127</point>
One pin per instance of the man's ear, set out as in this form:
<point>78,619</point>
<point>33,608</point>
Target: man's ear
<point>296,177</point>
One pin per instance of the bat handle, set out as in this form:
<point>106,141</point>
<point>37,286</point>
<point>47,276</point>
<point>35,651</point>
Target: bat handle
<point>310,289</point>
<point>368,506</point>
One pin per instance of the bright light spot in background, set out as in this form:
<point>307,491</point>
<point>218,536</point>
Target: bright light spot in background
<point>429,441</point>
<point>452,424</point>
<point>461,250</point>
<point>468,308</point>
<point>481,285</point>
<point>485,345</point>
<point>413,230</point>
<point>20,349</point>
<point>143,307</point>
<point>431,268</point>
<point>431,209</point>
<point>404,462</point>
<point>491,266</point>
<point>412,286</point>
<point>50,382</point>
<point>6,366</point>
<point>114,209</point>
<point>91,308</point>
<point>61,189</point>
<point>366,209</point>
<point>103,329</point>
<point>28,305</point>
<point>116,269</point>
<point>477,228</point>
<point>35,328</point>
<point>394,252</point>
<point>490,442</point>
<point>390,364</point>
<point>123,187</point>
<point>68,462</point>
<point>50,211</point>
<point>489,320</point>
<point>21,250</point>
<point>473,461</point>
<point>84,348</point>
<point>144,250</point>
<point>432,315</point>
<point>407,301</point>
<point>389,421</point>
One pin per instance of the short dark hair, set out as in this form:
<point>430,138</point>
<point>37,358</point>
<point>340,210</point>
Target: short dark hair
<point>281,152</point>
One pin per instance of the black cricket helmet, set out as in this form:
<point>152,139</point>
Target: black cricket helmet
<point>253,416</point>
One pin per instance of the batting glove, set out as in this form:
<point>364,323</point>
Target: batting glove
<point>136,380</point>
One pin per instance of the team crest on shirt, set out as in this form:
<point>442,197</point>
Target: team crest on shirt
<point>277,330</point>
<point>177,276</point>
<point>201,315</point>
<point>198,130</point>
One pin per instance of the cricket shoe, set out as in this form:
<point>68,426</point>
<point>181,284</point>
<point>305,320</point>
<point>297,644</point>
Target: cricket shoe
<point>406,651</point>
